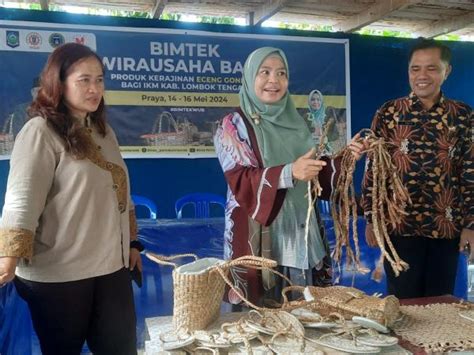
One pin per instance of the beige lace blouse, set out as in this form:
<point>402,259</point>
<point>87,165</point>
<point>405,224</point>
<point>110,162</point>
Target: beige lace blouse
<point>66,219</point>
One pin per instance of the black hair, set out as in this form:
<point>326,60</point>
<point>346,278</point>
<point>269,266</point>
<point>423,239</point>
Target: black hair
<point>49,103</point>
<point>424,43</point>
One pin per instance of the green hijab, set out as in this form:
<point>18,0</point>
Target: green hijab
<point>282,134</point>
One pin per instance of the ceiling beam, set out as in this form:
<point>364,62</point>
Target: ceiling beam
<point>158,8</point>
<point>44,5</point>
<point>450,3</point>
<point>442,27</point>
<point>265,11</point>
<point>373,13</point>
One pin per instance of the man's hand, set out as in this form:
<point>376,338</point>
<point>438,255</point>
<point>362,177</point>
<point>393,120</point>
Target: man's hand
<point>358,149</point>
<point>306,168</point>
<point>467,238</point>
<point>7,269</point>
<point>370,235</point>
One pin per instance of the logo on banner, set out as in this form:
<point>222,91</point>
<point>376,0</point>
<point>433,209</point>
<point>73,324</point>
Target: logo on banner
<point>13,39</point>
<point>56,39</point>
<point>79,39</point>
<point>34,40</point>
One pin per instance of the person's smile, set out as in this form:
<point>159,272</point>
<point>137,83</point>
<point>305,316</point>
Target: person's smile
<point>271,82</point>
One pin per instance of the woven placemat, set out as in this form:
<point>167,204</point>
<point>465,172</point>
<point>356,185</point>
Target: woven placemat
<point>436,327</point>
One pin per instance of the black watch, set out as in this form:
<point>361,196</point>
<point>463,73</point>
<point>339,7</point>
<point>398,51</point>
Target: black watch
<point>137,245</point>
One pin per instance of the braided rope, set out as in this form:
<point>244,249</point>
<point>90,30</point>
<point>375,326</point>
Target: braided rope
<point>389,198</point>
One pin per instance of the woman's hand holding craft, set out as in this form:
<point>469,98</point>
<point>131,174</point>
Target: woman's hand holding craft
<point>306,167</point>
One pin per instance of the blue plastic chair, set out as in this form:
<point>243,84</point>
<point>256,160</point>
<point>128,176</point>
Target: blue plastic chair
<point>146,202</point>
<point>201,201</point>
<point>324,207</point>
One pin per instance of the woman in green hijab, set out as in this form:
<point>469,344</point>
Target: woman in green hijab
<point>267,154</point>
<point>329,120</point>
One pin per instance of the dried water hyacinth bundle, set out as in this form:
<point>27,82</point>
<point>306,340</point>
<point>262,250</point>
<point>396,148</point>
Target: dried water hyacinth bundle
<point>314,188</point>
<point>317,189</point>
<point>343,206</point>
<point>389,198</point>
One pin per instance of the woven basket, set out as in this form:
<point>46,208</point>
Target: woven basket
<point>199,287</point>
<point>197,297</point>
<point>348,302</point>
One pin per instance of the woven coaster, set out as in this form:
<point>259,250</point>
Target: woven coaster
<point>436,327</point>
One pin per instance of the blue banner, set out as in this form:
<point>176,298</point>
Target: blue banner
<point>167,89</point>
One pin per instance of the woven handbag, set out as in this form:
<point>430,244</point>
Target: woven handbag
<point>199,287</point>
<point>348,302</point>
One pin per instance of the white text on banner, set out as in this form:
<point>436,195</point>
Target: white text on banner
<point>197,99</point>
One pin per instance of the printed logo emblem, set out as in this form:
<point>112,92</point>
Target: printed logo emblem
<point>13,39</point>
<point>80,39</point>
<point>34,39</point>
<point>56,39</point>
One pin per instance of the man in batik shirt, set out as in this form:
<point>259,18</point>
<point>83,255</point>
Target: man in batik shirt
<point>430,140</point>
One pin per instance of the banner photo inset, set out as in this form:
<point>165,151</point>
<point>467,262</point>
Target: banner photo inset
<point>166,89</point>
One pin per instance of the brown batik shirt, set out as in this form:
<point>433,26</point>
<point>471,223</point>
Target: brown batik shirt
<point>432,150</point>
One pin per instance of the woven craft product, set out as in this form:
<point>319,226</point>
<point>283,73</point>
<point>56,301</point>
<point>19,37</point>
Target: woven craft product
<point>199,287</point>
<point>158,137</point>
<point>436,327</point>
<point>349,302</point>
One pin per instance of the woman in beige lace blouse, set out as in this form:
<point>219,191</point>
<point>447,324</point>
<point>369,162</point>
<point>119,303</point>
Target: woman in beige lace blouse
<point>66,237</point>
